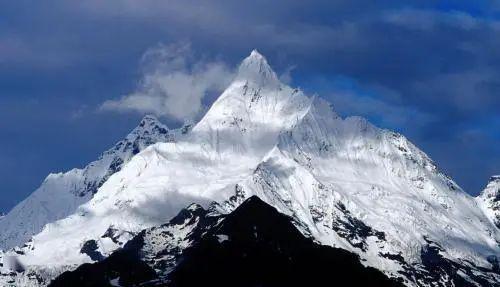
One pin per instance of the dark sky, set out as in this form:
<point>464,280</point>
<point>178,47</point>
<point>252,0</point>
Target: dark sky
<point>428,69</point>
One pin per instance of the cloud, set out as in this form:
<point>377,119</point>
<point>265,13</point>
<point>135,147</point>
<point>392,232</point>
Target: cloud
<point>173,85</point>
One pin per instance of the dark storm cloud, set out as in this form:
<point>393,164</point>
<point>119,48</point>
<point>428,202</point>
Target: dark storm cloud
<point>429,69</point>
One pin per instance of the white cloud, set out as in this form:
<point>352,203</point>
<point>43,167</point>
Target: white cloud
<point>173,84</point>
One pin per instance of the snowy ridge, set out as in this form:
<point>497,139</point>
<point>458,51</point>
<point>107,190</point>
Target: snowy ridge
<point>60,194</point>
<point>345,182</point>
<point>402,201</point>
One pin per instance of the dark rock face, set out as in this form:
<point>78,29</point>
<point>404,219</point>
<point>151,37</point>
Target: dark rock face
<point>255,245</point>
<point>123,266</point>
<point>116,235</point>
<point>354,230</point>
<point>90,248</point>
<point>436,270</point>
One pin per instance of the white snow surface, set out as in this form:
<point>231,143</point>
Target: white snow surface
<point>61,193</point>
<point>270,140</point>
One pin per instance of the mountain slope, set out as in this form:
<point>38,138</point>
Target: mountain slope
<point>60,194</point>
<point>344,183</point>
<point>381,178</point>
<point>252,246</point>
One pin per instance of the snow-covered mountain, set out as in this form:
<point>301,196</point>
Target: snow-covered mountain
<point>344,182</point>
<point>489,200</point>
<point>60,194</point>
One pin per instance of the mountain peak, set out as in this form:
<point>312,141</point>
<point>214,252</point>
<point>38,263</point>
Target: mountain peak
<point>489,200</point>
<point>61,193</point>
<point>256,54</point>
<point>495,178</point>
<point>492,189</point>
<point>149,120</point>
<point>256,69</point>
<point>149,125</point>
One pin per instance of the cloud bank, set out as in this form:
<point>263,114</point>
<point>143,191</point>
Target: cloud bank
<point>173,83</point>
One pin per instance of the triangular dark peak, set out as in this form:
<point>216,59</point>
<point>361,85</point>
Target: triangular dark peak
<point>254,217</point>
<point>255,245</point>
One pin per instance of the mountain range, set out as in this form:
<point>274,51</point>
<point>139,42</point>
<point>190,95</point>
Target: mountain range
<point>348,189</point>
